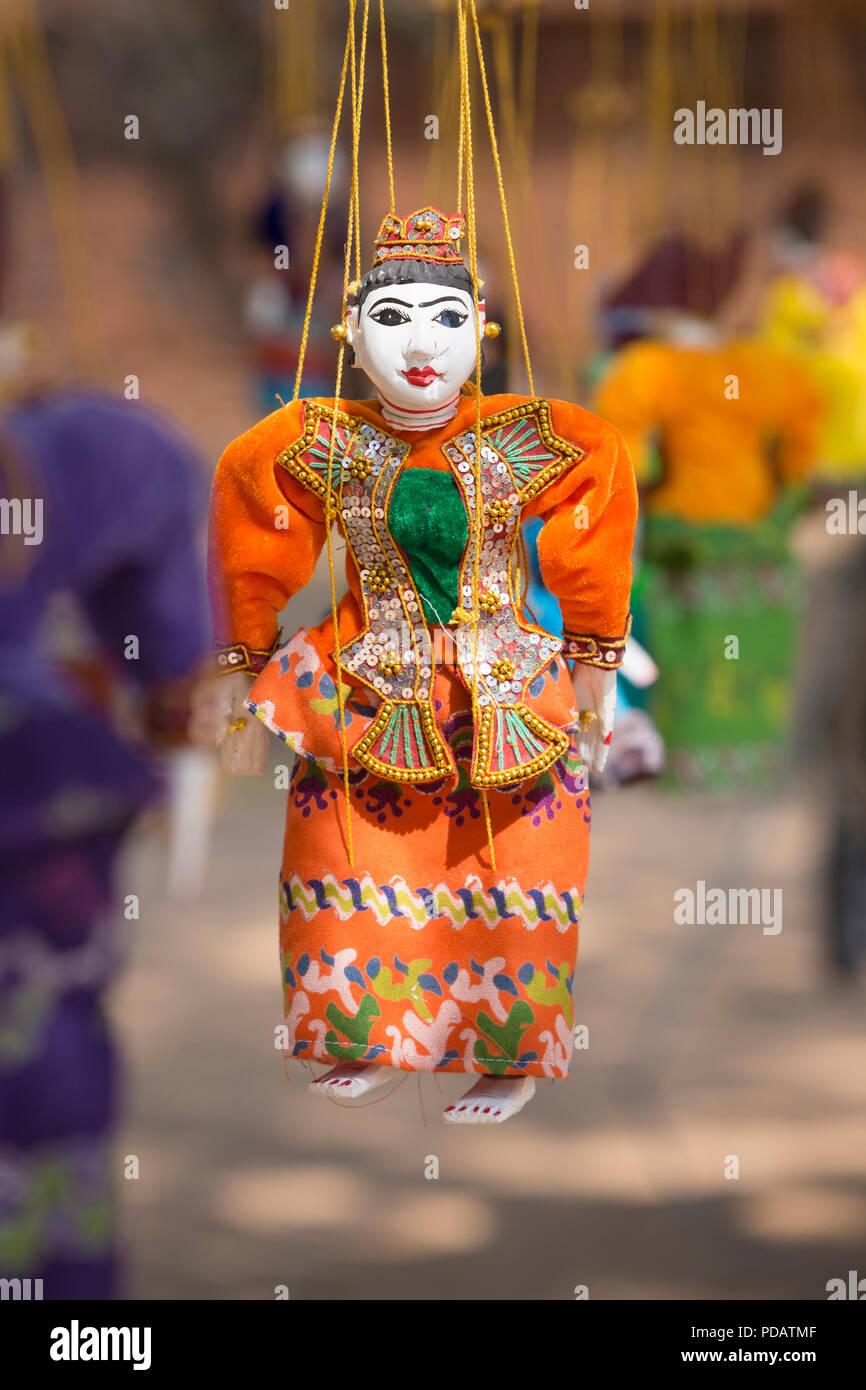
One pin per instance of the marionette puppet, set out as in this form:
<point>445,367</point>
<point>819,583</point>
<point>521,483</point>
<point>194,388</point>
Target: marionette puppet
<point>437,828</point>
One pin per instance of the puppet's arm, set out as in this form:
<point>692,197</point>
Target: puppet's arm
<point>266,534</point>
<point>584,553</point>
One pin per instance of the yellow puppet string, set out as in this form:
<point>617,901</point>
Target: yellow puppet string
<point>353,183</point>
<point>522,580</point>
<point>450,96</point>
<point>516,144</point>
<point>386,97</point>
<point>505,87</point>
<point>461,119</point>
<point>502,199</point>
<point>358,70</point>
<point>446,98</point>
<point>359,100</point>
<point>352,235</point>
<point>302,351</point>
<point>466,174</point>
<point>500,27</point>
<point>471,224</point>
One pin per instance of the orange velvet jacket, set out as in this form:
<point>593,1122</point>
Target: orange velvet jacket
<point>538,458</point>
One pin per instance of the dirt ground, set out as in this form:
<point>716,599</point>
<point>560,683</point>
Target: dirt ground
<point>712,1051</point>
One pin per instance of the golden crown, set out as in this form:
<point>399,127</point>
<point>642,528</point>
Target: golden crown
<point>426,235</point>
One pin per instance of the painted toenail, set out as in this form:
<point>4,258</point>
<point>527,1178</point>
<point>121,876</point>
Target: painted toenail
<point>487,1109</point>
<point>448,1107</point>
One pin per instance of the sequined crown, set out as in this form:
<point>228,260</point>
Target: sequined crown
<point>426,235</point>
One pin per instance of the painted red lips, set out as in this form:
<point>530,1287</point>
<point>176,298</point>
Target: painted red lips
<point>421,376</point>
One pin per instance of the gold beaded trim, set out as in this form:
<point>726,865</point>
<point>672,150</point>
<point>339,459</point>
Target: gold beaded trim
<point>380,579</point>
<point>291,458</point>
<point>410,252</point>
<point>499,510</point>
<point>360,469</point>
<point>443,765</point>
<point>460,616</point>
<point>483,776</point>
<point>565,451</point>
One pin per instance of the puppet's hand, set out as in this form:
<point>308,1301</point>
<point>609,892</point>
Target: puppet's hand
<point>595,693</point>
<point>220,720</point>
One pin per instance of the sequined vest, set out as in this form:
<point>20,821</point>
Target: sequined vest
<point>520,455</point>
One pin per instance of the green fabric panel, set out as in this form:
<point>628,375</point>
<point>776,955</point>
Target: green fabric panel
<point>724,712</point>
<point>428,521</point>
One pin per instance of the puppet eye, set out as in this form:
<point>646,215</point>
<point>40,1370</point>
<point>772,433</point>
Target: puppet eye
<point>389,317</point>
<point>451,318</point>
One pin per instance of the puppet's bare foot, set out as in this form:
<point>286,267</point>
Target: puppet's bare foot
<point>491,1100</point>
<point>350,1080</point>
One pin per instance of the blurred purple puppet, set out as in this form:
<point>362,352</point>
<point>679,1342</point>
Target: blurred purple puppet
<point>100,591</point>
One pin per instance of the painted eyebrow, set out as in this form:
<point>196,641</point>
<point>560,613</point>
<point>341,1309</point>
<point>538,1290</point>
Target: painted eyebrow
<point>390,299</point>
<point>428,304</point>
<point>444,300</point>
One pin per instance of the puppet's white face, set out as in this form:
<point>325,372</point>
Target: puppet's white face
<point>416,342</point>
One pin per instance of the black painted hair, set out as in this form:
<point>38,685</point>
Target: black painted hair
<point>405,272</point>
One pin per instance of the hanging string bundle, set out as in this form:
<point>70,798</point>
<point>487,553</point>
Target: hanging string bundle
<point>353,70</point>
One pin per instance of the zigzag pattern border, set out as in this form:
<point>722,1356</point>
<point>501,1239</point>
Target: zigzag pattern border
<point>395,899</point>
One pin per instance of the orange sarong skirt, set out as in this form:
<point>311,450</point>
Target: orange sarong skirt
<point>421,956</point>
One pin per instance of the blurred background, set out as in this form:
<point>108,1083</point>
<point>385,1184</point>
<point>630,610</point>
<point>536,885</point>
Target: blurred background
<point>161,173</point>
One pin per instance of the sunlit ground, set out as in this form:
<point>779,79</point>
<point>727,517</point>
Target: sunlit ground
<point>711,1049</point>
